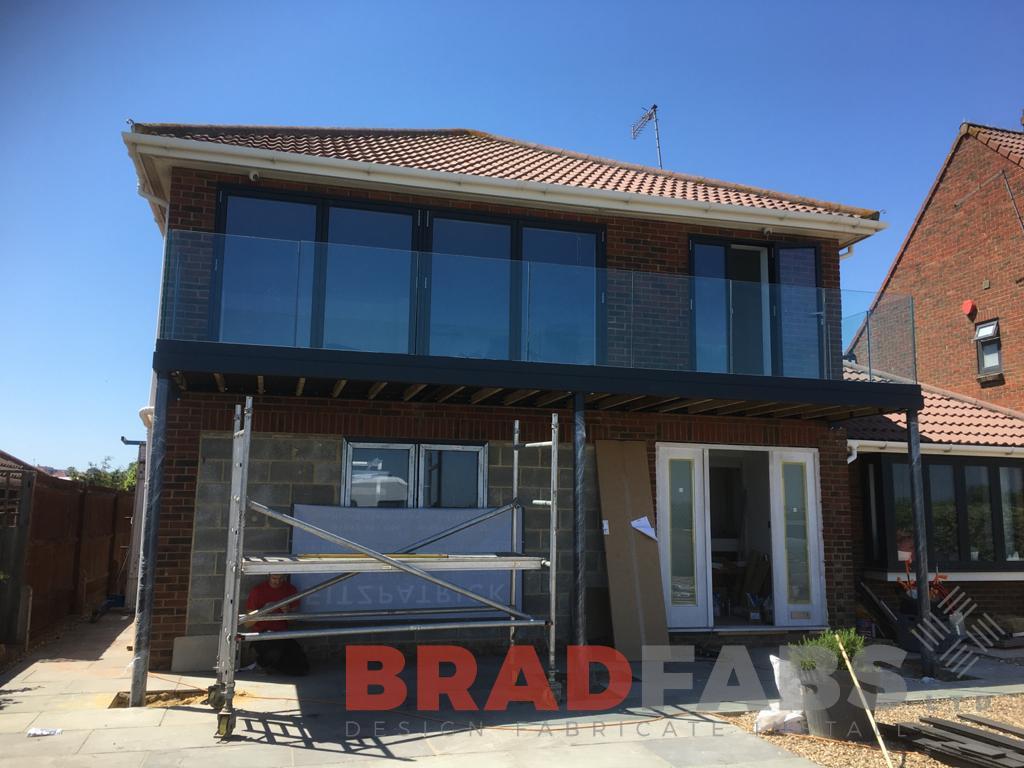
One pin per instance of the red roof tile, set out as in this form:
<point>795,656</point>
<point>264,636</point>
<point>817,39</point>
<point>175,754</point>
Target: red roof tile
<point>1009,144</point>
<point>464,151</point>
<point>947,418</point>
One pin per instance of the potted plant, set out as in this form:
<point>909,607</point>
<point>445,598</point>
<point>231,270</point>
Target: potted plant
<point>844,718</point>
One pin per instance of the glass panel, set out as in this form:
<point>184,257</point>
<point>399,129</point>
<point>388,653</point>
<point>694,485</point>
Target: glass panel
<point>469,298</point>
<point>267,274</point>
<point>990,355</point>
<point>369,278</point>
<point>903,513</point>
<point>986,330</point>
<point>979,514</point>
<point>380,477</point>
<point>945,538</point>
<point>1011,492</point>
<point>451,478</point>
<point>559,296</point>
<point>800,312</point>
<point>749,337</point>
<point>683,569</point>
<point>798,565</point>
<point>710,307</point>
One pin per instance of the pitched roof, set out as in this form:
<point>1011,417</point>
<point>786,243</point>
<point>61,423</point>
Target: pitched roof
<point>947,418</point>
<point>1009,144</point>
<point>464,151</point>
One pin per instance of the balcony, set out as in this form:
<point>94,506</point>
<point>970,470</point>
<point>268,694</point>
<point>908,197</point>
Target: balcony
<point>438,310</point>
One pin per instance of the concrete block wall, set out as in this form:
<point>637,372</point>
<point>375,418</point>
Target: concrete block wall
<point>284,469</point>
<point>288,469</point>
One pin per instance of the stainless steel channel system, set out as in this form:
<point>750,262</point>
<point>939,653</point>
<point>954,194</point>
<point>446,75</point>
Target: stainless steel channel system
<point>364,560</point>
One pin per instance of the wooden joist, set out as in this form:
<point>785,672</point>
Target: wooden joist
<point>446,393</point>
<point>412,390</point>
<point>338,386</point>
<point>548,399</point>
<point>652,402</point>
<point>681,405</point>
<point>219,380</point>
<point>299,386</point>
<point>376,390</point>
<point>482,394</point>
<point>518,396</point>
<point>260,389</point>
<point>970,746</point>
<point>970,732</point>
<point>996,724</point>
<point>711,405</point>
<point>611,402</point>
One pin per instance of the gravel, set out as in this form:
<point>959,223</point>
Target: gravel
<point>847,754</point>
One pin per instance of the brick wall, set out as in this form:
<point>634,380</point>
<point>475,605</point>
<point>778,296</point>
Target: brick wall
<point>968,244</point>
<point>286,428</point>
<point>647,317</point>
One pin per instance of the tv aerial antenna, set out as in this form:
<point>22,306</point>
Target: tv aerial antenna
<point>650,115</point>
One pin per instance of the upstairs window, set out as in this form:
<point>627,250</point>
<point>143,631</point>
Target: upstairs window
<point>990,357</point>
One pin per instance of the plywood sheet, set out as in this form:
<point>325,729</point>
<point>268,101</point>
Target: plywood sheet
<point>634,570</point>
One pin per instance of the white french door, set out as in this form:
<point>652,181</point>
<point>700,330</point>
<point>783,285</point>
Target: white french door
<point>796,539</point>
<point>683,535</point>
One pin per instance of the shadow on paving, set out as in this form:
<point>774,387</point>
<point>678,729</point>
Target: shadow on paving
<point>314,717</point>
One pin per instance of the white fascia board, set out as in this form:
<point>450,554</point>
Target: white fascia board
<point>846,229</point>
<point>932,449</point>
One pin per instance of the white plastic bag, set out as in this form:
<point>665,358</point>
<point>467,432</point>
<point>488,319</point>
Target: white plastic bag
<point>780,720</point>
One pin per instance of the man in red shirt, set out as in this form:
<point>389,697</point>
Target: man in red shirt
<point>283,655</point>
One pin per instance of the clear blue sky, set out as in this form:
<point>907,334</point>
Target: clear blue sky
<point>852,102</point>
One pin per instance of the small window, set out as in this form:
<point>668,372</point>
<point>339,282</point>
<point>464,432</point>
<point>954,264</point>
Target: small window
<point>415,475</point>
<point>379,475</point>
<point>986,336</point>
<point>451,476</point>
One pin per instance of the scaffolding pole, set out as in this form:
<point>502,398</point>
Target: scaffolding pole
<point>366,559</point>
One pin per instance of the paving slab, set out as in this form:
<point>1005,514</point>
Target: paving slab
<point>28,750</point>
<point>709,751</point>
<point>146,739</point>
<point>16,722</point>
<point>108,760</point>
<point>91,719</point>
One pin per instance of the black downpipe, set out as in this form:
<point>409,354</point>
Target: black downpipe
<point>579,521</point>
<point>150,534</point>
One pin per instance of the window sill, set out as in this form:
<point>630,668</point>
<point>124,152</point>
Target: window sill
<point>991,379</point>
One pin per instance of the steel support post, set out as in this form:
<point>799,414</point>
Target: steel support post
<point>924,605</point>
<point>150,535</point>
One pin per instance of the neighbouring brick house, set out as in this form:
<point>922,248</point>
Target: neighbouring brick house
<point>394,299</point>
<point>963,262</point>
<point>973,472</point>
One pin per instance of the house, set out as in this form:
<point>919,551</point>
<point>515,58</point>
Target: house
<point>973,473</point>
<point>394,299</point>
<point>963,262</point>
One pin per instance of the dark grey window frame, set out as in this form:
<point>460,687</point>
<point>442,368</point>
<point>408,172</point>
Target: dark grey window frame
<point>885,499</point>
<point>422,241</point>
<point>980,344</point>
